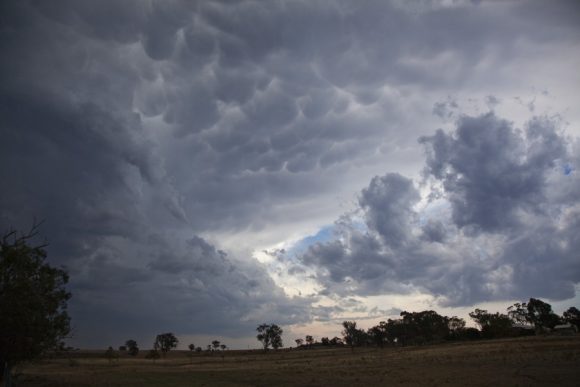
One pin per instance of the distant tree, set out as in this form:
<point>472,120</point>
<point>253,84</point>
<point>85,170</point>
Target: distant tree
<point>325,341</point>
<point>198,349</point>
<point>299,342</point>
<point>122,348</point>
<point>111,355</point>
<point>425,326</point>
<point>349,332</point>
<point>223,347</point>
<point>378,334</point>
<point>352,335</point>
<point>309,340</point>
<point>191,347</point>
<point>541,315</point>
<point>276,334</point>
<point>215,344</point>
<point>209,347</point>
<point>165,342</point>
<point>132,348</point>
<point>396,332</point>
<point>270,335</point>
<point>33,302</point>
<point>493,325</point>
<point>535,312</point>
<point>336,341</point>
<point>456,324</point>
<point>518,313</point>
<point>572,316</point>
<point>456,327</point>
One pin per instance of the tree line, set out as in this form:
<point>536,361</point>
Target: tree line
<point>163,343</point>
<point>412,328</point>
<point>417,328</point>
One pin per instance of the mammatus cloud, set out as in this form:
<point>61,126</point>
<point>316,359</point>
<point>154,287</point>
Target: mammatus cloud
<point>492,174</point>
<point>509,231</point>
<point>149,134</point>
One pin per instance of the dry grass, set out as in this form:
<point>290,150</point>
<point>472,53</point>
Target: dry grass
<point>525,361</point>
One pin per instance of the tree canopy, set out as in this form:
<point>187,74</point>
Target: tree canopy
<point>165,342</point>
<point>270,335</point>
<point>132,347</point>
<point>572,316</point>
<point>33,300</point>
<point>352,335</point>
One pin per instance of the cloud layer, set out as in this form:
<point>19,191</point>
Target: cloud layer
<point>501,224</point>
<point>152,135</point>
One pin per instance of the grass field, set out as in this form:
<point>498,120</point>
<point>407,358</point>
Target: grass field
<point>523,362</point>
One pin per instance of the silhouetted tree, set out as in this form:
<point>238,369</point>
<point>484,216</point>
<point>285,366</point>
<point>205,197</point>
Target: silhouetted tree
<point>270,335</point>
<point>336,341</point>
<point>276,333</point>
<point>572,316</point>
<point>33,301</point>
<point>493,325</point>
<point>378,334</point>
<point>396,332</point>
<point>455,323</point>
<point>223,347</point>
<point>518,313</point>
<point>352,335</point>
<point>535,312</point>
<point>299,342</point>
<point>325,341</point>
<point>309,340</point>
<point>425,326</point>
<point>541,315</point>
<point>165,342</point>
<point>215,344</point>
<point>132,348</point>
<point>456,327</point>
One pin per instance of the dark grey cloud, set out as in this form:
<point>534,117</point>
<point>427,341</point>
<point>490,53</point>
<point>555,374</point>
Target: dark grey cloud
<point>490,171</point>
<point>388,202</point>
<point>134,128</point>
<point>75,154</point>
<point>434,231</point>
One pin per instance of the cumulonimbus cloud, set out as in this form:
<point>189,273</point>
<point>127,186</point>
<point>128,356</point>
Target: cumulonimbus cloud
<point>509,231</point>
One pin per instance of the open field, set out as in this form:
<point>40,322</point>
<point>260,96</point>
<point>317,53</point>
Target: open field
<point>524,361</point>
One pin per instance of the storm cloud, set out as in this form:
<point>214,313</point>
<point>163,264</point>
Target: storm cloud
<point>505,233</point>
<point>167,143</point>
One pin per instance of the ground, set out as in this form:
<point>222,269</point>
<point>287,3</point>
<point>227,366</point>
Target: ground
<point>524,361</point>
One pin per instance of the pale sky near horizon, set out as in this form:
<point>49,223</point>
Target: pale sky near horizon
<point>206,166</point>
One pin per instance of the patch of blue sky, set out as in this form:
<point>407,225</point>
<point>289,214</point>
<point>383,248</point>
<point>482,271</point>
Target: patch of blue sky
<point>359,226</point>
<point>325,234</point>
<point>567,169</point>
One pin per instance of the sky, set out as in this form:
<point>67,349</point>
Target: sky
<point>202,167</point>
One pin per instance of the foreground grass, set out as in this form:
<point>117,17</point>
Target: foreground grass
<point>525,361</point>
